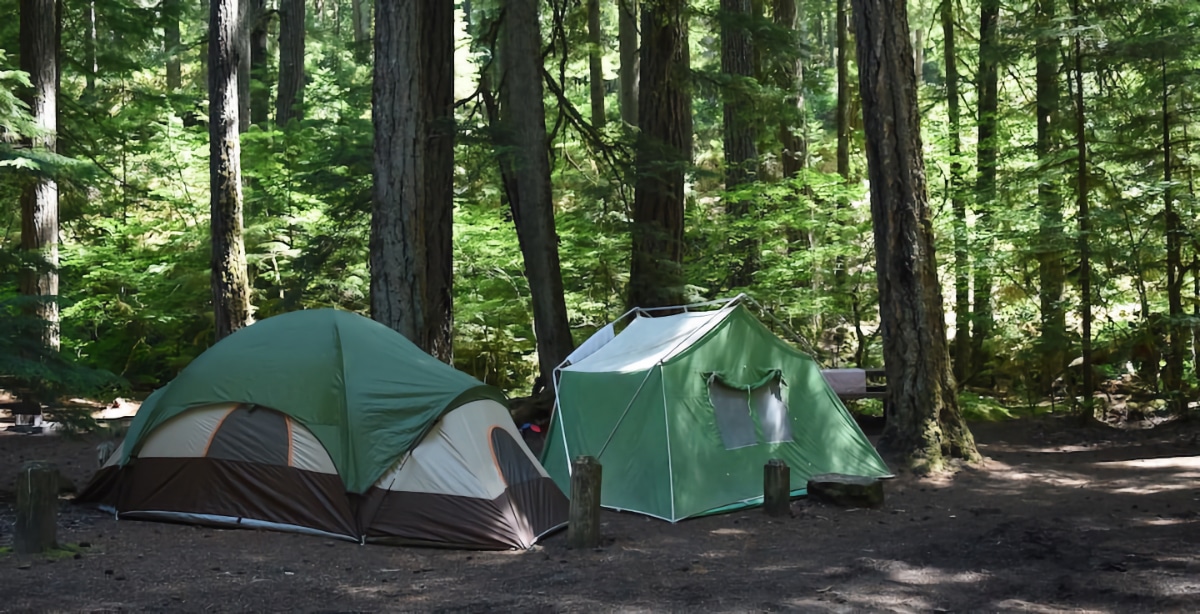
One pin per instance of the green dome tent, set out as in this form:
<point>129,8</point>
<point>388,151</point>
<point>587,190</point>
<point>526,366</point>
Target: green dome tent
<point>327,422</point>
<point>684,410</point>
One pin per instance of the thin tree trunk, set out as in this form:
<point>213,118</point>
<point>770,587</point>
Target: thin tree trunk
<point>961,349</point>
<point>260,87</point>
<point>289,99</point>
<point>1173,383</point>
<point>842,113</point>
<point>792,134</point>
<point>171,44</point>
<point>39,196</point>
<point>524,133</point>
<point>628,40</point>
<point>89,48</point>
<point>741,152</point>
<point>663,154</point>
<point>919,55</point>
<point>595,63</point>
<point>242,36</point>
<point>1083,217</point>
<point>202,74</point>
<point>411,221</point>
<point>360,14</point>
<point>1051,272</point>
<point>230,285</point>
<point>985,183</point>
<point>924,423</point>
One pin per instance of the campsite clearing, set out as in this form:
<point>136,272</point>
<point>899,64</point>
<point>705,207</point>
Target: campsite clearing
<point>1057,519</point>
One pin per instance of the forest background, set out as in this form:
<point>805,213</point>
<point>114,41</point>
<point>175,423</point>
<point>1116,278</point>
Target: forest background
<point>1057,137</point>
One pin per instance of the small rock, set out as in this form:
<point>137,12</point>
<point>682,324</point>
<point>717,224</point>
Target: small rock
<point>24,565</point>
<point>846,490</point>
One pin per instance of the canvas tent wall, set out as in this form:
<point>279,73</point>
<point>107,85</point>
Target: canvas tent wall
<point>684,410</point>
<point>327,422</point>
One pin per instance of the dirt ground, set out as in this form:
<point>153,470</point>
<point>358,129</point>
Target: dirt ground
<point>1057,519</point>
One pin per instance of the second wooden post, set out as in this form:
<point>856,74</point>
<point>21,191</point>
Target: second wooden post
<point>583,528</point>
<point>777,489</point>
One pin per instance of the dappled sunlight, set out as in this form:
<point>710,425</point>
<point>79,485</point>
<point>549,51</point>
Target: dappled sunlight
<point>1020,605</point>
<point>904,573</point>
<point>1184,473</point>
<point>727,531</point>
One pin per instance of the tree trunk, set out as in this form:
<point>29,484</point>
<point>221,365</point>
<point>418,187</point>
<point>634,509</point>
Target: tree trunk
<point>242,36</point>
<point>524,134</point>
<point>741,151</point>
<point>961,350</point>
<point>230,286</point>
<point>792,134</point>
<point>1173,380</point>
<point>89,48</point>
<point>924,422</point>
<point>985,183</point>
<point>595,63</point>
<point>919,55</point>
<point>663,154</point>
<point>202,74</point>
<point>289,99</point>
<point>360,14</point>
<point>627,36</point>
<point>260,85</point>
<point>171,44</point>
<point>842,113</point>
<point>1050,233</point>
<point>411,221</point>
<point>39,196</point>
<point>1084,220</point>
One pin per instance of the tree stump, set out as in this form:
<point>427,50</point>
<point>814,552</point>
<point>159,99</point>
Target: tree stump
<point>37,508</point>
<point>583,528</point>
<point>777,488</point>
<point>846,490</point>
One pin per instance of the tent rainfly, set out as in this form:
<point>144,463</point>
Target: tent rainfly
<point>329,423</point>
<point>684,410</point>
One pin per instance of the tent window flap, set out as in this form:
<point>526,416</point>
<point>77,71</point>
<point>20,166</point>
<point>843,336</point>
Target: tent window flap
<point>731,409</point>
<point>772,412</point>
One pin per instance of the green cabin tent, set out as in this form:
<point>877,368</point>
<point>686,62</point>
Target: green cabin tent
<point>326,422</point>
<point>683,411</point>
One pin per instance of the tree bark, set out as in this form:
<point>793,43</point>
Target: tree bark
<point>360,14</point>
<point>523,132</point>
<point>289,99</point>
<point>985,183</point>
<point>171,44</point>
<point>627,36</point>
<point>595,63</point>
<point>39,196</point>
<point>663,154</point>
<point>260,85</point>
<point>961,348</point>
<point>1051,272</point>
<point>242,36</point>
<point>1083,217</point>
<point>411,221</point>
<point>842,113</point>
<point>1173,380</point>
<point>740,138</point>
<point>89,48</point>
<point>924,422</point>
<point>230,285</point>
<point>792,136</point>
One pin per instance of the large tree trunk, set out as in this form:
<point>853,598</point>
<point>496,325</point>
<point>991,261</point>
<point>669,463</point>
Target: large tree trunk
<point>290,95</point>
<point>792,133</point>
<point>411,222</point>
<point>627,36</point>
<point>230,286</point>
<point>1083,217</point>
<point>663,154</point>
<point>260,85</point>
<point>524,135</point>
<point>171,44</point>
<point>1051,272</point>
<point>924,422</point>
<point>39,196</point>
<point>962,259</point>
<point>1173,374</point>
<point>741,151</point>
<point>985,183</point>
<point>595,63</point>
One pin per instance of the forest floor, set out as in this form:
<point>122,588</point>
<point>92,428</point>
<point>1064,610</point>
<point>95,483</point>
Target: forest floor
<point>1058,518</point>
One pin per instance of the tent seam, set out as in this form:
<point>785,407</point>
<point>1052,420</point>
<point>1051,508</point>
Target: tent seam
<point>667,427</point>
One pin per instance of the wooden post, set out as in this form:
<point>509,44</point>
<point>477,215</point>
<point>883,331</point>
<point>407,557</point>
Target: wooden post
<point>777,488</point>
<point>37,508</point>
<point>583,528</point>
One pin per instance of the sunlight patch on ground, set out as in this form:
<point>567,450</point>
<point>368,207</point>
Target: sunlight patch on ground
<point>847,599</point>
<point>1019,605</point>
<point>1162,522</point>
<point>1002,471</point>
<point>1187,472</point>
<point>729,532</point>
<point>903,573</point>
